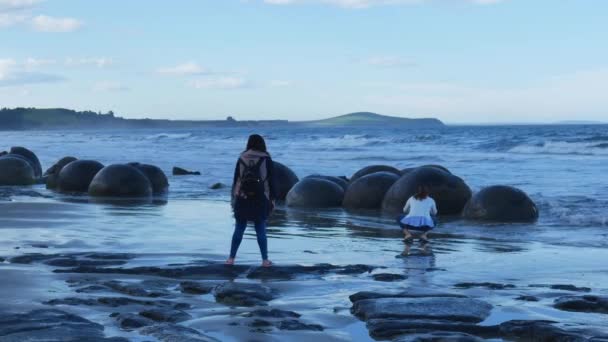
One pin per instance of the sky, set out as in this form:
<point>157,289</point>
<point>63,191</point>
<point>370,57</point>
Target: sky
<point>462,61</point>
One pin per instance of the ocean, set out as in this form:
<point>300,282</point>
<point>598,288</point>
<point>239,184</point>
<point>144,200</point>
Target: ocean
<point>561,167</point>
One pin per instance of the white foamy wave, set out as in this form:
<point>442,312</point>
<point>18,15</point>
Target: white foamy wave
<point>174,136</point>
<point>561,147</point>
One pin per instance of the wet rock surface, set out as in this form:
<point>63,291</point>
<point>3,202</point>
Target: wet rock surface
<point>388,277</point>
<point>50,326</point>
<point>453,309</point>
<point>438,336</point>
<point>243,294</point>
<point>173,333</point>
<point>587,303</point>
<point>490,286</point>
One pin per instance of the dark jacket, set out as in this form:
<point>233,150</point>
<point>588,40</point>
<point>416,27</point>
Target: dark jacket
<point>258,210</point>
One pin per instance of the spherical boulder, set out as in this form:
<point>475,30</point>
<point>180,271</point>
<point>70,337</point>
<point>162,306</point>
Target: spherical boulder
<point>443,168</point>
<point>120,180</point>
<point>501,203</point>
<point>450,193</point>
<point>15,170</point>
<point>31,158</point>
<point>158,179</point>
<point>77,175</point>
<point>315,193</point>
<point>52,174</point>
<point>341,182</point>
<point>284,180</point>
<point>372,169</point>
<point>368,191</point>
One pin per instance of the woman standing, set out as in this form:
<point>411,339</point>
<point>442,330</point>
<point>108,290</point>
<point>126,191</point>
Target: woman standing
<point>252,195</point>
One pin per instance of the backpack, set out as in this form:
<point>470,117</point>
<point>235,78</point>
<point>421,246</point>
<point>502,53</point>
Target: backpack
<point>252,185</point>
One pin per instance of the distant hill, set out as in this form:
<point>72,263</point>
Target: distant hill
<point>60,118</point>
<point>373,119</point>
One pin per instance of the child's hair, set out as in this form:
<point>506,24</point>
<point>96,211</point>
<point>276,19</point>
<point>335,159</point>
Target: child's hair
<point>256,143</point>
<point>422,193</point>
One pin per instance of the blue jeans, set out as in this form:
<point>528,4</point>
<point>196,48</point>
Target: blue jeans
<point>260,232</point>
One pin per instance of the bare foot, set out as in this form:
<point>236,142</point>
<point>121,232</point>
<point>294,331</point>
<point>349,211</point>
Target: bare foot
<point>230,261</point>
<point>266,263</point>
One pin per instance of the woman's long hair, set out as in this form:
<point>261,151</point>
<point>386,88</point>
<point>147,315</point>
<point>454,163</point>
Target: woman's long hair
<point>256,143</point>
<point>422,193</point>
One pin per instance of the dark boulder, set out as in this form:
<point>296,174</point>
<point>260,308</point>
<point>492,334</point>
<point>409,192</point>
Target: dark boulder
<point>367,192</point>
<point>120,180</point>
<point>77,175</point>
<point>284,180</point>
<point>341,182</point>
<point>373,169</point>
<point>158,179</point>
<point>30,157</point>
<point>442,168</point>
<point>586,303</point>
<point>315,193</point>
<point>442,336</point>
<point>450,192</point>
<point>450,309</point>
<point>242,294</point>
<point>178,171</point>
<point>501,204</point>
<point>16,170</point>
<point>52,174</point>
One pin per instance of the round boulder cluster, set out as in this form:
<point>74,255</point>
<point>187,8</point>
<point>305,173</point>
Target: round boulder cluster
<point>367,192</point>
<point>501,203</point>
<point>120,180</point>
<point>315,193</point>
<point>450,192</point>
<point>77,175</point>
<point>373,169</point>
<point>52,174</point>
<point>19,166</point>
<point>284,180</point>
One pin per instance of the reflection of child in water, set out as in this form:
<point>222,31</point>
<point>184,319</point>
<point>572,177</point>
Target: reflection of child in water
<point>418,211</point>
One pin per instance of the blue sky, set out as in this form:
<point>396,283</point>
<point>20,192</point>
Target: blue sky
<point>463,61</point>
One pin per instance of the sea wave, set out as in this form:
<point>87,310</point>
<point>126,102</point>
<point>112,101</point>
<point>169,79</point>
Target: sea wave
<point>173,136</point>
<point>561,147</point>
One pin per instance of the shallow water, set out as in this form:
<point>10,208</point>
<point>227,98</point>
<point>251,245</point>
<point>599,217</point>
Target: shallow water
<point>561,167</point>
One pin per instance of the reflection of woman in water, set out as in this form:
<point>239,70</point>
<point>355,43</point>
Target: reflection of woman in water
<point>253,195</point>
<point>418,211</point>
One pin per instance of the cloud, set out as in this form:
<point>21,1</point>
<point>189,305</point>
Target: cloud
<point>357,4</point>
<point>110,86</point>
<point>34,63</point>
<point>16,5</point>
<point>220,83</point>
<point>99,62</point>
<point>13,73</point>
<point>188,68</point>
<point>45,23</point>
<point>279,83</point>
<point>389,61</point>
<point>565,96</point>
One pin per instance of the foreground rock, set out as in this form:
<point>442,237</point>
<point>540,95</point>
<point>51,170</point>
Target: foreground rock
<point>173,333</point>
<point>51,326</point>
<point>452,309</point>
<point>120,180</point>
<point>450,193</point>
<point>52,173</point>
<point>77,175</point>
<point>587,303</point>
<point>367,192</point>
<point>438,336</point>
<point>223,272</point>
<point>284,180</point>
<point>373,169</point>
<point>315,193</point>
<point>501,204</point>
<point>178,171</point>
<point>241,294</point>
<point>31,158</point>
<point>15,170</point>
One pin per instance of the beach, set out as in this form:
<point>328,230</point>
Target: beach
<point>109,263</point>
